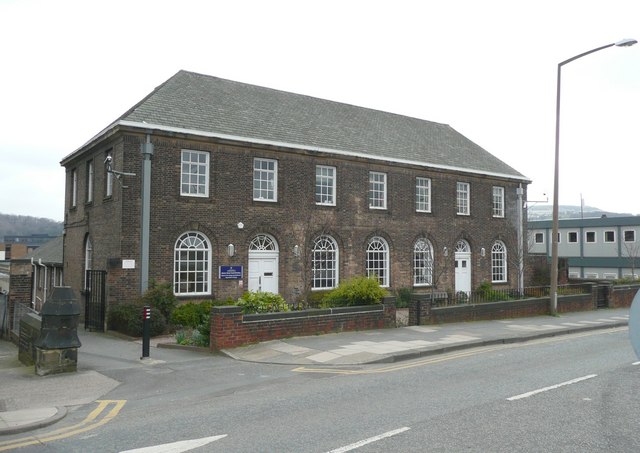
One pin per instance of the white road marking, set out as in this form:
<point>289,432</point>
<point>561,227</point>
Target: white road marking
<point>553,387</point>
<point>177,447</point>
<point>369,440</point>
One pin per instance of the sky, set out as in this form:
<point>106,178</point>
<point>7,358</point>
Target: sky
<point>487,68</point>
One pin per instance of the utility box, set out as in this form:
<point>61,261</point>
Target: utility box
<point>57,346</point>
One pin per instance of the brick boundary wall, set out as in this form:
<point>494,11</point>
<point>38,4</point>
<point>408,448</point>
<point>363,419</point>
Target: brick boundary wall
<point>497,310</point>
<point>621,296</point>
<point>230,328</point>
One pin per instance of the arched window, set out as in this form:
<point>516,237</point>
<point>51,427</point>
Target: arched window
<point>462,246</point>
<point>422,262</point>
<point>263,242</point>
<point>192,265</point>
<point>378,260</point>
<point>324,263</point>
<point>498,262</point>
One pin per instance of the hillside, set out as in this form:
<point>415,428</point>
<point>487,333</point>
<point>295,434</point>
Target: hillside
<point>544,212</point>
<point>23,225</point>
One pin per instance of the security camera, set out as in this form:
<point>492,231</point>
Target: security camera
<point>107,160</point>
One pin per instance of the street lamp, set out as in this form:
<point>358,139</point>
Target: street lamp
<point>553,290</point>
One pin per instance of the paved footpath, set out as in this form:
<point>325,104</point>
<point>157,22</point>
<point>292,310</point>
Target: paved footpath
<point>45,400</point>
<point>391,345</point>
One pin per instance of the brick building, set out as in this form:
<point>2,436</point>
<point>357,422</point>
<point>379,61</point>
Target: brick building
<point>251,188</point>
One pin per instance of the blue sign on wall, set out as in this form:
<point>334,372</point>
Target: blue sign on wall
<point>230,272</point>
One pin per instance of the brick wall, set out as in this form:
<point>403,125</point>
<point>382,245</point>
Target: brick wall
<point>295,219</point>
<point>622,296</point>
<point>230,328</point>
<point>497,310</point>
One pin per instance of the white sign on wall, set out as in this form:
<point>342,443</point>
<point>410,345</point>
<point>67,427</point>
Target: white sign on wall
<point>128,264</point>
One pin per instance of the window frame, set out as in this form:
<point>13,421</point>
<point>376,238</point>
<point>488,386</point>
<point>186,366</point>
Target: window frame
<point>90,177</point>
<point>535,237</point>
<point>273,181</point>
<point>190,174</point>
<point>422,265</point>
<point>326,261</point>
<point>181,266</point>
<point>322,181</point>
<point>606,240</point>
<point>589,233</point>
<point>633,233</point>
<point>423,194</point>
<point>108,180</point>
<point>499,262</point>
<point>377,190</point>
<point>463,198</point>
<point>575,237</point>
<point>380,257</point>
<point>74,187</point>
<point>498,205</point>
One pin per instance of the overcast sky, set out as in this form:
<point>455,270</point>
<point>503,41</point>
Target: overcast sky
<point>487,68</point>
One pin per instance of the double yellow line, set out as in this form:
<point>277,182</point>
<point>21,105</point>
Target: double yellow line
<point>92,421</point>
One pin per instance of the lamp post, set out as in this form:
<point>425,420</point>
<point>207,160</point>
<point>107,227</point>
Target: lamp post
<point>553,290</point>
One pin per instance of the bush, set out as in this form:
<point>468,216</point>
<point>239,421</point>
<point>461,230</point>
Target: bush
<point>403,297</point>
<point>262,302</point>
<point>160,296</point>
<point>191,314</point>
<point>357,291</point>
<point>486,293</point>
<point>127,319</point>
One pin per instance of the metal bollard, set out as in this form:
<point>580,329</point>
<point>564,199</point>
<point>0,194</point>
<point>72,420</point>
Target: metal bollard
<point>146,328</point>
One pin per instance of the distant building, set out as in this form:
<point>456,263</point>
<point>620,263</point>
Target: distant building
<point>17,246</point>
<point>596,248</point>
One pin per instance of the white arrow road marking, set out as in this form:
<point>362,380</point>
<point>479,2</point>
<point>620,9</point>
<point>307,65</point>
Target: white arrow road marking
<point>176,447</point>
<point>553,387</point>
<point>369,440</point>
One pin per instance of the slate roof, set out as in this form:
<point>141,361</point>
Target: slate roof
<point>211,106</point>
<point>50,252</point>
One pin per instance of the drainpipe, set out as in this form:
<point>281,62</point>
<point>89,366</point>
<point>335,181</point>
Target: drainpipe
<point>34,283</point>
<point>44,281</point>
<point>520,193</point>
<point>147,152</point>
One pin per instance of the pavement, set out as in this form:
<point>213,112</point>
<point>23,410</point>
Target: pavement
<point>29,402</point>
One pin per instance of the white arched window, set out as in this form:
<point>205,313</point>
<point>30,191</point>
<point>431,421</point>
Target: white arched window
<point>263,242</point>
<point>324,263</point>
<point>422,263</point>
<point>498,262</point>
<point>192,265</point>
<point>378,260</point>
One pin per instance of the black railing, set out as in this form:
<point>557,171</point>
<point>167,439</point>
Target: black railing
<point>496,295</point>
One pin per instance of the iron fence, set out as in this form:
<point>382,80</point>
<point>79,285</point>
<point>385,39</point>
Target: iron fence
<point>497,295</point>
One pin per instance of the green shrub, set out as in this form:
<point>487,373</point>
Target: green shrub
<point>314,298</point>
<point>262,302</point>
<point>357,291</point>
<point>191,314</point>
<point>127,319</point>
<point>403,297</point>
<point>160,296</point>
<point>486,293</point>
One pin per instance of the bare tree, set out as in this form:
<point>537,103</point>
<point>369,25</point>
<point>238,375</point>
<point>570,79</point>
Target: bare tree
<point>632,251</point>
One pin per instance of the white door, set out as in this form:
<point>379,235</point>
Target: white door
<point>463,273</point>
<point>263,264</point>
<point>263,274</point>
<point>463,266</point>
